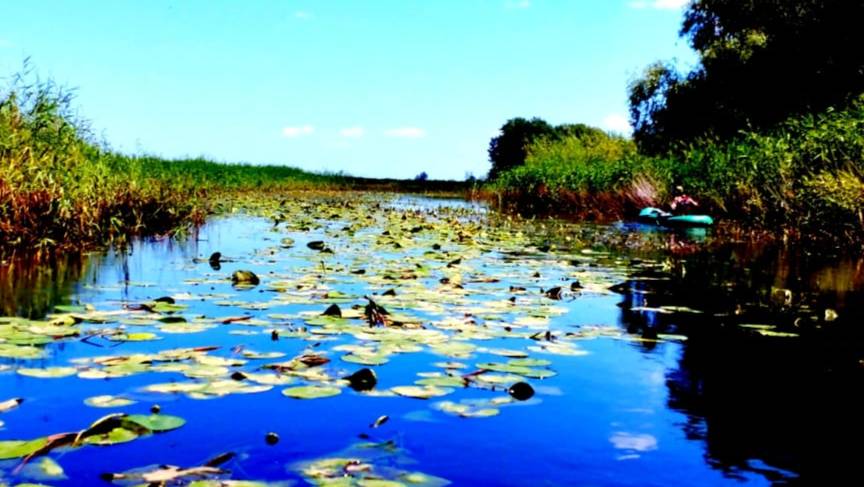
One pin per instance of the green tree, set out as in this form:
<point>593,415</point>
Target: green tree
<point>760,63</point>
<point>509,149</point>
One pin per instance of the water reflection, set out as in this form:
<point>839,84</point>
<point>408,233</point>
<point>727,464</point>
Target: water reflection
<point>31,289</point>
<point>755,406</point>
<point>782,407</point>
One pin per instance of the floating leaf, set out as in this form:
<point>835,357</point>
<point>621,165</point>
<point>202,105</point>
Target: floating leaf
<point>311,392</point>
<point>48,372</point>
<point>134,337</point>
<point>155,422</point>
<point>70,308</point>
<point>22,352</point>
<point>442,381</point>
<point>366,359</point>
<point>269,379</point>
<point>466,410</point>
<point>529,362</point>
<point>18,448</point>
<point>108,401</point>
<point>113,437</point>
<point>379,483</point>
<point>45,468</point>
<point>424,392</point>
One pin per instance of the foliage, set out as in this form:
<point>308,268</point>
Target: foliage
<point>511,148</point>
<point>60,188</point>
<point>807,173</point>
<point>590,162</point>
<point>760,63</point>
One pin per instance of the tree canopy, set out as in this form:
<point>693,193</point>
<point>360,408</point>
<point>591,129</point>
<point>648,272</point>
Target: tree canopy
<point>760,63</point>
<point>510,148</point>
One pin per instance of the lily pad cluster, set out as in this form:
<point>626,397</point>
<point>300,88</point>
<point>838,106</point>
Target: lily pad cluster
<point>358,284</point>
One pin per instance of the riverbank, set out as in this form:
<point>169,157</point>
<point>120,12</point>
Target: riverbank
<point>62,190</point>
<point>802,178</point>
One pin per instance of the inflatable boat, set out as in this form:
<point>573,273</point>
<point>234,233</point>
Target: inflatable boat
<point>656,216</point>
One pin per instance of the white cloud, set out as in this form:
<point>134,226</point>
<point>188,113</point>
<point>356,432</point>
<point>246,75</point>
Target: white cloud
<point>659,4</point>
<point>518,4</point>
<point>406,132</point>
<point>352,132</point>
<point>292,132</point>
<point>616,123</point>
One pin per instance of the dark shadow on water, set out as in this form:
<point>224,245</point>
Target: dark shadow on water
<point>31,289</point>
<point>787,408</point>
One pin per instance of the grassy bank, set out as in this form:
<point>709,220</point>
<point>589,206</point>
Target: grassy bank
<point>59,189</point>
<point>805,175</point>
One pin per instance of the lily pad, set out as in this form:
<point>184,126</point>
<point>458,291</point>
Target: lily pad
<point>19,448</point>
<point>311,392</point>
<point>442,381</point>
<point>46,468</point>
<point>48,372</point>
<point>366,359</point>
<point>108,401</point>
<point>112,437</point>
<point>19,351</point>
<point>424,392</point>
<point>156,422</point>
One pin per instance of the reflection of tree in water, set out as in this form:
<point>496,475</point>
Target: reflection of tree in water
<point>30,289</point>
<point>762,404</point>
<point>783,403</point>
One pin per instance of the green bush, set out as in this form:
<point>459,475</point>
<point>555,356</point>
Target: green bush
<point>807,173</point>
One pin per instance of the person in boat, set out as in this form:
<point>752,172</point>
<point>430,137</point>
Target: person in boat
<point>682,204</point>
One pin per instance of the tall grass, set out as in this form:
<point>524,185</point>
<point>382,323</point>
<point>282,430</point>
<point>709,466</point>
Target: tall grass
<point>591,177</point>
<point>806,174</point>
<point>59,188</point>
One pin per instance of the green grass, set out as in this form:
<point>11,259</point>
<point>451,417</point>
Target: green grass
<point>60,189</point>
<point>806,175</point>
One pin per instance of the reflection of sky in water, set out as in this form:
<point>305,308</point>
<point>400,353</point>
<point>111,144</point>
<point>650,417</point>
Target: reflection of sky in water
<point>601,409</point>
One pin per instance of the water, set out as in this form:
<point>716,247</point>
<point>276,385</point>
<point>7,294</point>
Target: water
<point>709,403</point>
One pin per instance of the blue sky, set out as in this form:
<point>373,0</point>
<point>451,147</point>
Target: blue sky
<point>385,88</point>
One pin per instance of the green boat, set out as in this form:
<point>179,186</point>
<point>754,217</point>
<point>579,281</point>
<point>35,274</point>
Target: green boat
<point>656,216</point>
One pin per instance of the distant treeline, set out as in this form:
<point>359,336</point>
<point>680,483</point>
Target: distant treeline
<point>768,129</point>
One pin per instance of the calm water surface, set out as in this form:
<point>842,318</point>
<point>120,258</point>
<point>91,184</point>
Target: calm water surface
<point>710,403</point>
